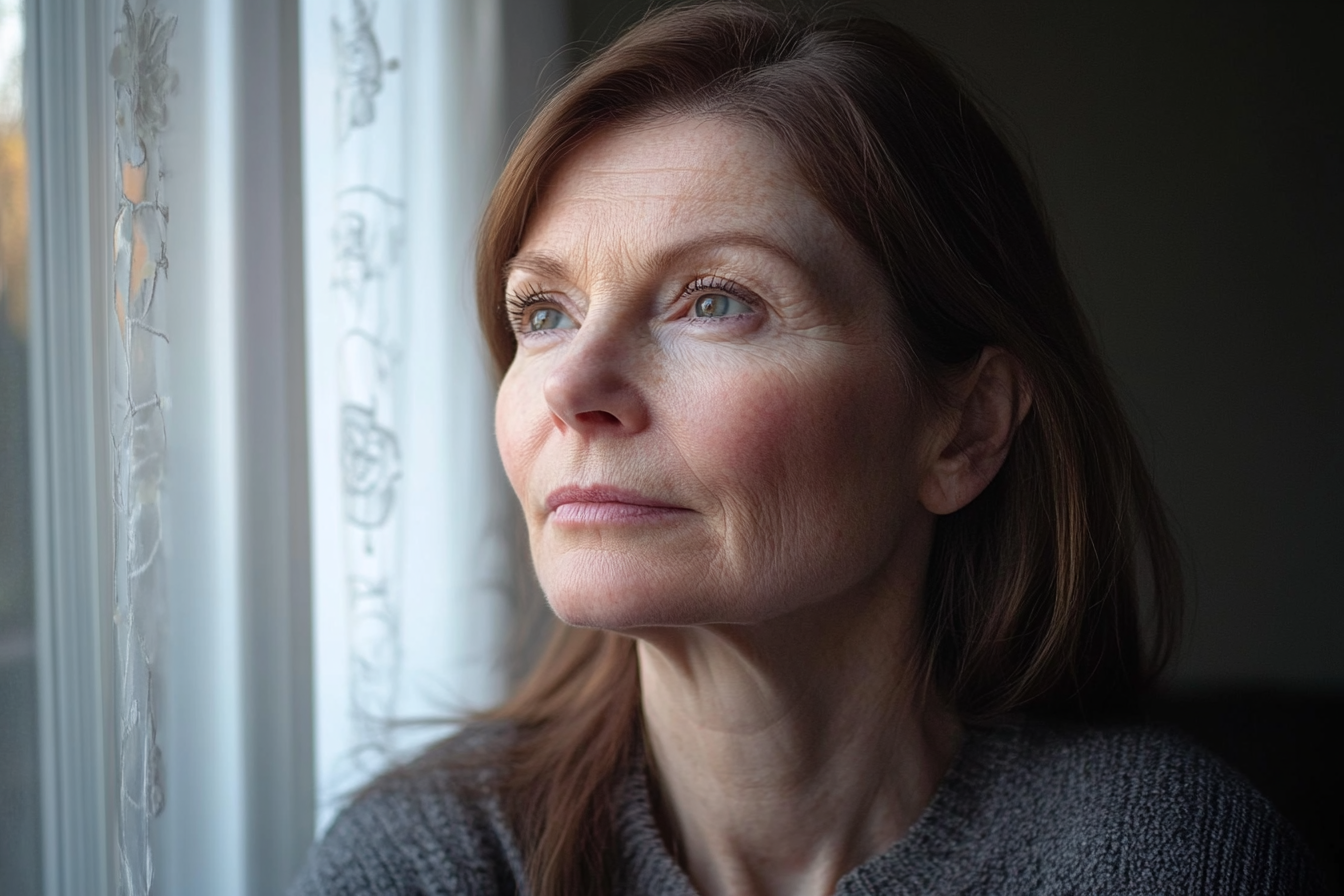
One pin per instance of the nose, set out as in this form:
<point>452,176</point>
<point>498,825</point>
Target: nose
<point>596,387</point>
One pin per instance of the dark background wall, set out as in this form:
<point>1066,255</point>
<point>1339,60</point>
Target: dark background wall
<point>1192,159</point>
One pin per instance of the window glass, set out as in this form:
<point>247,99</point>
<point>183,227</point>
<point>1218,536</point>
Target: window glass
<point>19,821</point>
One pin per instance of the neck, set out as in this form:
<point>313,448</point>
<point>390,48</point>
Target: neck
<point>787,753</point>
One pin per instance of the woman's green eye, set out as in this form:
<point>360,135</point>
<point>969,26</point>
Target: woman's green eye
<point>548,319</point>
<point>720,305</point>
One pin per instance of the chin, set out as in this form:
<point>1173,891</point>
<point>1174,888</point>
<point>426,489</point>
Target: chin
<point>619,592</point>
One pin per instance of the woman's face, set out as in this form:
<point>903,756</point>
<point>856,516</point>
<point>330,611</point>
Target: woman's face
<point>706,419</point>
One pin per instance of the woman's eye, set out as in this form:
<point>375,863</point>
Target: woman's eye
<point>548,319</point>
<point>719,305</point>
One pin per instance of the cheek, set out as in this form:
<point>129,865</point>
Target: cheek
<point>519,420</point>
<point>772,425</point>
<point>733,431</point>
<point>809,466</point>
<point>804,467</point>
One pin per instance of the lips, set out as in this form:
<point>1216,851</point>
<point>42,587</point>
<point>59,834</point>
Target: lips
<point>605,504</point>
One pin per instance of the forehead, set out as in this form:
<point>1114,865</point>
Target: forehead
<point>637,190</point>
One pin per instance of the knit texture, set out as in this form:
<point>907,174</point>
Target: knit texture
<point>1025,808</point>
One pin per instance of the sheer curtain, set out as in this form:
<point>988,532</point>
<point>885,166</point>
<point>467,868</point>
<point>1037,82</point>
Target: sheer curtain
<point>412,524</point>
<point>270,530</point>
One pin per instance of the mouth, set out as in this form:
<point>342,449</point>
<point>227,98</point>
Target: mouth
<point>604,504</point>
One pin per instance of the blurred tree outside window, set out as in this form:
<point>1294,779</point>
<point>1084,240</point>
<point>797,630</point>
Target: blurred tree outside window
<point>19,789</point>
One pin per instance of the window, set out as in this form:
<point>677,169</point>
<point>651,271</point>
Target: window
<point>267,525</point>
<point>19,784</point>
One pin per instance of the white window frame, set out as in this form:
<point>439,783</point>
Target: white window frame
<point>70,475</point>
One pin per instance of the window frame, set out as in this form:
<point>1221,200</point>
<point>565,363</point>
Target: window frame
<point>71,491</point>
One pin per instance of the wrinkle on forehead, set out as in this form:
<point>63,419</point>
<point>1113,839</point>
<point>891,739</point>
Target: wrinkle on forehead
<point>651,195</point>
<point>549,265</point>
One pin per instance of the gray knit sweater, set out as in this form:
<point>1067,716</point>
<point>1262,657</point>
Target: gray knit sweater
<point>1024,809</point>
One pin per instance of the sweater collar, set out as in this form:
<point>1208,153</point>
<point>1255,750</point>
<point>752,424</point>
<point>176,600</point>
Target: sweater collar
<point>934,847</point>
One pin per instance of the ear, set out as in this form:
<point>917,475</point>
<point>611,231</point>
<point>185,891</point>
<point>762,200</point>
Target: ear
<point>990,401</point>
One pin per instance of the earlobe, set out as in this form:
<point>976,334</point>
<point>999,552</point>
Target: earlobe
<point>993,398</point>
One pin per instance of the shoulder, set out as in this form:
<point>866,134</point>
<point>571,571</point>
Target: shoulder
<point>1140,809</point>
<point>430,827</point>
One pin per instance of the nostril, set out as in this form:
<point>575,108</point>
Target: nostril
<point>597,418</point>
<point>590,389</point>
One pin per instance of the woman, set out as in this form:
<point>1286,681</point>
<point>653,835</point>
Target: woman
<point>857,560</point>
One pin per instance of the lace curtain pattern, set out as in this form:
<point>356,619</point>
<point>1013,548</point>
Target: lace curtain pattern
<point>143,82</point>
<point>367,284</point>
<point>411,532</point>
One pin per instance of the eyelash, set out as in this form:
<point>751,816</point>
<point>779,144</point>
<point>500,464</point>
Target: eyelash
<point>718,284</point>
<point>517,303</point>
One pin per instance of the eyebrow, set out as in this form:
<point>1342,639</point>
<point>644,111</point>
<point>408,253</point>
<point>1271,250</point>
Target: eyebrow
<point>553,266</point>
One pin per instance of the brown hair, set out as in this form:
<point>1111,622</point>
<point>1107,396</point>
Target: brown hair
<point>1036,590</point>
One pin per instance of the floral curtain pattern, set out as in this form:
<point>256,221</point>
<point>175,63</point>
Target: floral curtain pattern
<point>412,532</point>
<point>143,82</point>
<point>367,284</point>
